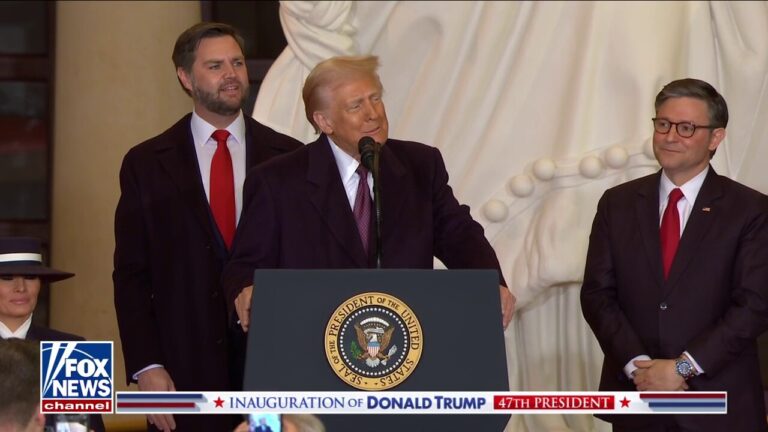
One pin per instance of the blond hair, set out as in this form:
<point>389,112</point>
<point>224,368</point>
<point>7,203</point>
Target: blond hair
<point>330,73</point>
<point>304,422</point>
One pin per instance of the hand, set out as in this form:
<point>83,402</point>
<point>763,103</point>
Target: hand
<point>658,375</point>
<point>157,379</point>
<point>243,306</point>
<point>507,305</point>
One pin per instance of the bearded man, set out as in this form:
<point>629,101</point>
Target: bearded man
<point>181,198</point>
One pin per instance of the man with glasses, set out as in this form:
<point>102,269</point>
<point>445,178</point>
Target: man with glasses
<point>676,280</point>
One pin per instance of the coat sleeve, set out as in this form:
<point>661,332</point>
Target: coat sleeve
<point>459,241</point>
<point>133,293</point>
<point>599,297</point>
<point>746,317</point>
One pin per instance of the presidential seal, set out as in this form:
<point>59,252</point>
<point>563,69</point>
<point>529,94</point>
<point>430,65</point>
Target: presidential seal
<point>373,341</point>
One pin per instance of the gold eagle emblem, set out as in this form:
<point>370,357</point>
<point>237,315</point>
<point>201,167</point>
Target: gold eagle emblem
<point>373,336</point>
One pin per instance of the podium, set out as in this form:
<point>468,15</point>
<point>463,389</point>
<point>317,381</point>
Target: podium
<point>304,320</point>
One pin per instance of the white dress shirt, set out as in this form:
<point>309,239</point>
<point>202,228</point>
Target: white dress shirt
<point>349,178</point>
<point>20,333</point>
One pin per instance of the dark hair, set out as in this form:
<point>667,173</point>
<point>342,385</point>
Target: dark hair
<point>186,45</point>
<point>19,381</point>
<point>697,89</point>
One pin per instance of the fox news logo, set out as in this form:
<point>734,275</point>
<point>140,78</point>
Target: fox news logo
<point>76,377</point>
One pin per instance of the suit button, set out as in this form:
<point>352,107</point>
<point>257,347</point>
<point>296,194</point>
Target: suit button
<point>214,294</point>
<point>663,306</point>
<point>219,341</point>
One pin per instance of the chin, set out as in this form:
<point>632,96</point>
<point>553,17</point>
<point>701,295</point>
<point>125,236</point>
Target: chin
<point>380,138</point>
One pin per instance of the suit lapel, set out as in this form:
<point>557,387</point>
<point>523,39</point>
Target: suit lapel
<point>254,154</point>
<point>33,333</point>
<point>703,214</point>
<point>326,193</point>
<point>647,213</point>
<point>260,144</point>
<point>394,192</point>
<point>178,158</point>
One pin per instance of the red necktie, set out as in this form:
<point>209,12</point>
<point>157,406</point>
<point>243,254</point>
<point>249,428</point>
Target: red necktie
<point>362,207</point>
<point>669,233</point>
<point>223,188</point>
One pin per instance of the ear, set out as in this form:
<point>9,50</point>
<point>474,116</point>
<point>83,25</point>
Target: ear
<point>718,135</point>
<point>184,78</point>
<point>323,122</point>
<point>38,419</point>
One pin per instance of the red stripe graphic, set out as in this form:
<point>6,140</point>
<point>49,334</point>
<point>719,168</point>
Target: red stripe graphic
<point>156,405</point>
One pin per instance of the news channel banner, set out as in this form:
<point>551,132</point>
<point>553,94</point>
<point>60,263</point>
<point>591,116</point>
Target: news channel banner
<point>77,378</point>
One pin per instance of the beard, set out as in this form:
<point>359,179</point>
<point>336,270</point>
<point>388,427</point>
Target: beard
<point>213,103</point>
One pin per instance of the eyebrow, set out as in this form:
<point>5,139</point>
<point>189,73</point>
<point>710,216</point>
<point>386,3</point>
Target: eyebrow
<point>218,60</point>
<point>365,96</point>
<point>355,100</point>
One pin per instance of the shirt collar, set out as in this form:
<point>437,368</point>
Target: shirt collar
<point>690,188</point>
<point>347,164</point>
<point>202,130</point>
<point>21,332</point>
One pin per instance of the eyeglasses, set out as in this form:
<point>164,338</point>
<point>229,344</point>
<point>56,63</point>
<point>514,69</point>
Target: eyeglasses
<point>684,129</point>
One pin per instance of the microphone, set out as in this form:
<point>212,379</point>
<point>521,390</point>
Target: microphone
<point>369,157</point>
<point>367,148</point>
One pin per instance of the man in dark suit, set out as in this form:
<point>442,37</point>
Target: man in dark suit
<point>676,280</point>
<point>21,274</point>
<point>174,224</point>
<point>262,426</point>
<point>301,208</point>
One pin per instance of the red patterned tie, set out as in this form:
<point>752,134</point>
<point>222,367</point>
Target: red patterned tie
<point>223,188</point>
<point>362,207</point>
<point>669,233</point>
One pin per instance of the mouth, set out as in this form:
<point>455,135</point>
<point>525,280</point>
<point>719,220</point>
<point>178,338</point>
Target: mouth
<point>231,88</point>
<point>20,302</point>
<point>668,149</point>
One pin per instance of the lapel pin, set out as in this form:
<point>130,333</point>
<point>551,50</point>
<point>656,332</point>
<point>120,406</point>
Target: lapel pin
<point>706,209</point>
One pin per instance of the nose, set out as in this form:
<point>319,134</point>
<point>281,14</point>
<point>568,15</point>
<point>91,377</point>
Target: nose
<point>672,135</point>
<point>371,113</point>
<point>228,69</point>
<point>19,284</point>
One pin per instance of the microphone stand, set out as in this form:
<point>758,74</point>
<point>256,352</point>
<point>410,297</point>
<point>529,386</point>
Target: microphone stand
<point>377,202</point>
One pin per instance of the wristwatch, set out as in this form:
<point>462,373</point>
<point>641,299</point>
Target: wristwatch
<point>684,368</point>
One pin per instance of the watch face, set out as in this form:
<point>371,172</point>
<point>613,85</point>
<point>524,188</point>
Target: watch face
<point>684,368</point>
